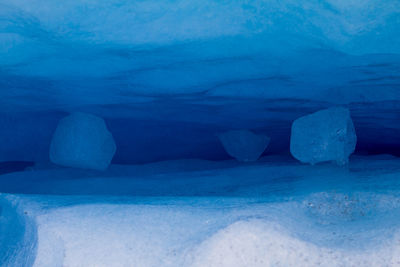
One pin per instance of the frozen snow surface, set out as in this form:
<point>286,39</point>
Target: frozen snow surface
<point>82,141</point>
<point>244,145</point>
<point>326,135</point>
<point>275,212</point>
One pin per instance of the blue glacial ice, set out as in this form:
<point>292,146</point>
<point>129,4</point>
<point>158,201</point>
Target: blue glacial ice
<point>244,145</point>
<point>161,80</point>
<point>82,141</point>
<point>326,135</point>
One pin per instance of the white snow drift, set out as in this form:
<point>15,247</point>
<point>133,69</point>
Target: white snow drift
<point>258,243</point>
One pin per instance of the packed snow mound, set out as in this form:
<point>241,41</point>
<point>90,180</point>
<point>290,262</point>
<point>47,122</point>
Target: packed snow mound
<point>290,217</point>
<point>244,145</point>
<point>260,243</point>
<point>82,141</point>
<point>326,135</point>
<point>208,232</point>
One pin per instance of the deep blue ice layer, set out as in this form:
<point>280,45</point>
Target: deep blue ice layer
<point>168,75</point>
<point>271,177</point>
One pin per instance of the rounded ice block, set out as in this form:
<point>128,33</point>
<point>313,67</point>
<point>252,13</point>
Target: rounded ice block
<point>244,145</point>
<point>326,135</point>
<point>82,141</point>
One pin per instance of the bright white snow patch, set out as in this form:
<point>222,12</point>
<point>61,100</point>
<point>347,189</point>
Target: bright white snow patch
<point>259,243</point>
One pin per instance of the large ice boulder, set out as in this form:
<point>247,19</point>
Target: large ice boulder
<point>326,135</point>
<point>82,141</point>
<point>244,145</point>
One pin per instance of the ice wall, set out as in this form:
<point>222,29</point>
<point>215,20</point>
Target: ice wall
<point>176,72</point>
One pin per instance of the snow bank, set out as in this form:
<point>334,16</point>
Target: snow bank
<point>211,232</point>
<point>259,243</point>
<point>277,213</point>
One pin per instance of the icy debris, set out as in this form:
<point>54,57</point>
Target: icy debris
<point>244,145</point>
<point>326,135</point>
<point>82,141</point>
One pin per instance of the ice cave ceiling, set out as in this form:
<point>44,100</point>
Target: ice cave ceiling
<point>168,75</point>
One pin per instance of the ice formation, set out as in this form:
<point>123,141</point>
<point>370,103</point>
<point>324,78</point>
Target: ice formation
<point>82,141</point>
<point>244,145</point>
<point>166,76</point>
<point>326,135</point>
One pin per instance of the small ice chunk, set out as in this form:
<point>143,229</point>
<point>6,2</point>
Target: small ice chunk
<point>326,135</point>
<point>82,141</point>
<point>244,145</point>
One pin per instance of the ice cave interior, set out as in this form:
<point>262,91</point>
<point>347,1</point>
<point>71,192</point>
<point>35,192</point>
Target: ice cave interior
<point>199,133</point>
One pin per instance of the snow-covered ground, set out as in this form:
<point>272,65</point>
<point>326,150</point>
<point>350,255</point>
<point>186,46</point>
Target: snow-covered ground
<point>275,212</point>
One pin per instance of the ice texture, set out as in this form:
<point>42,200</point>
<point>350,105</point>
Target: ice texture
<point>82,141</point>
<point>260,243</point>
<point>203,48</point>
<point>17,236</point>
<point>167,75</point>
<point>190,70</point>
<point>232,214</point>
<point>326,135</point>
<point>244,145</point>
